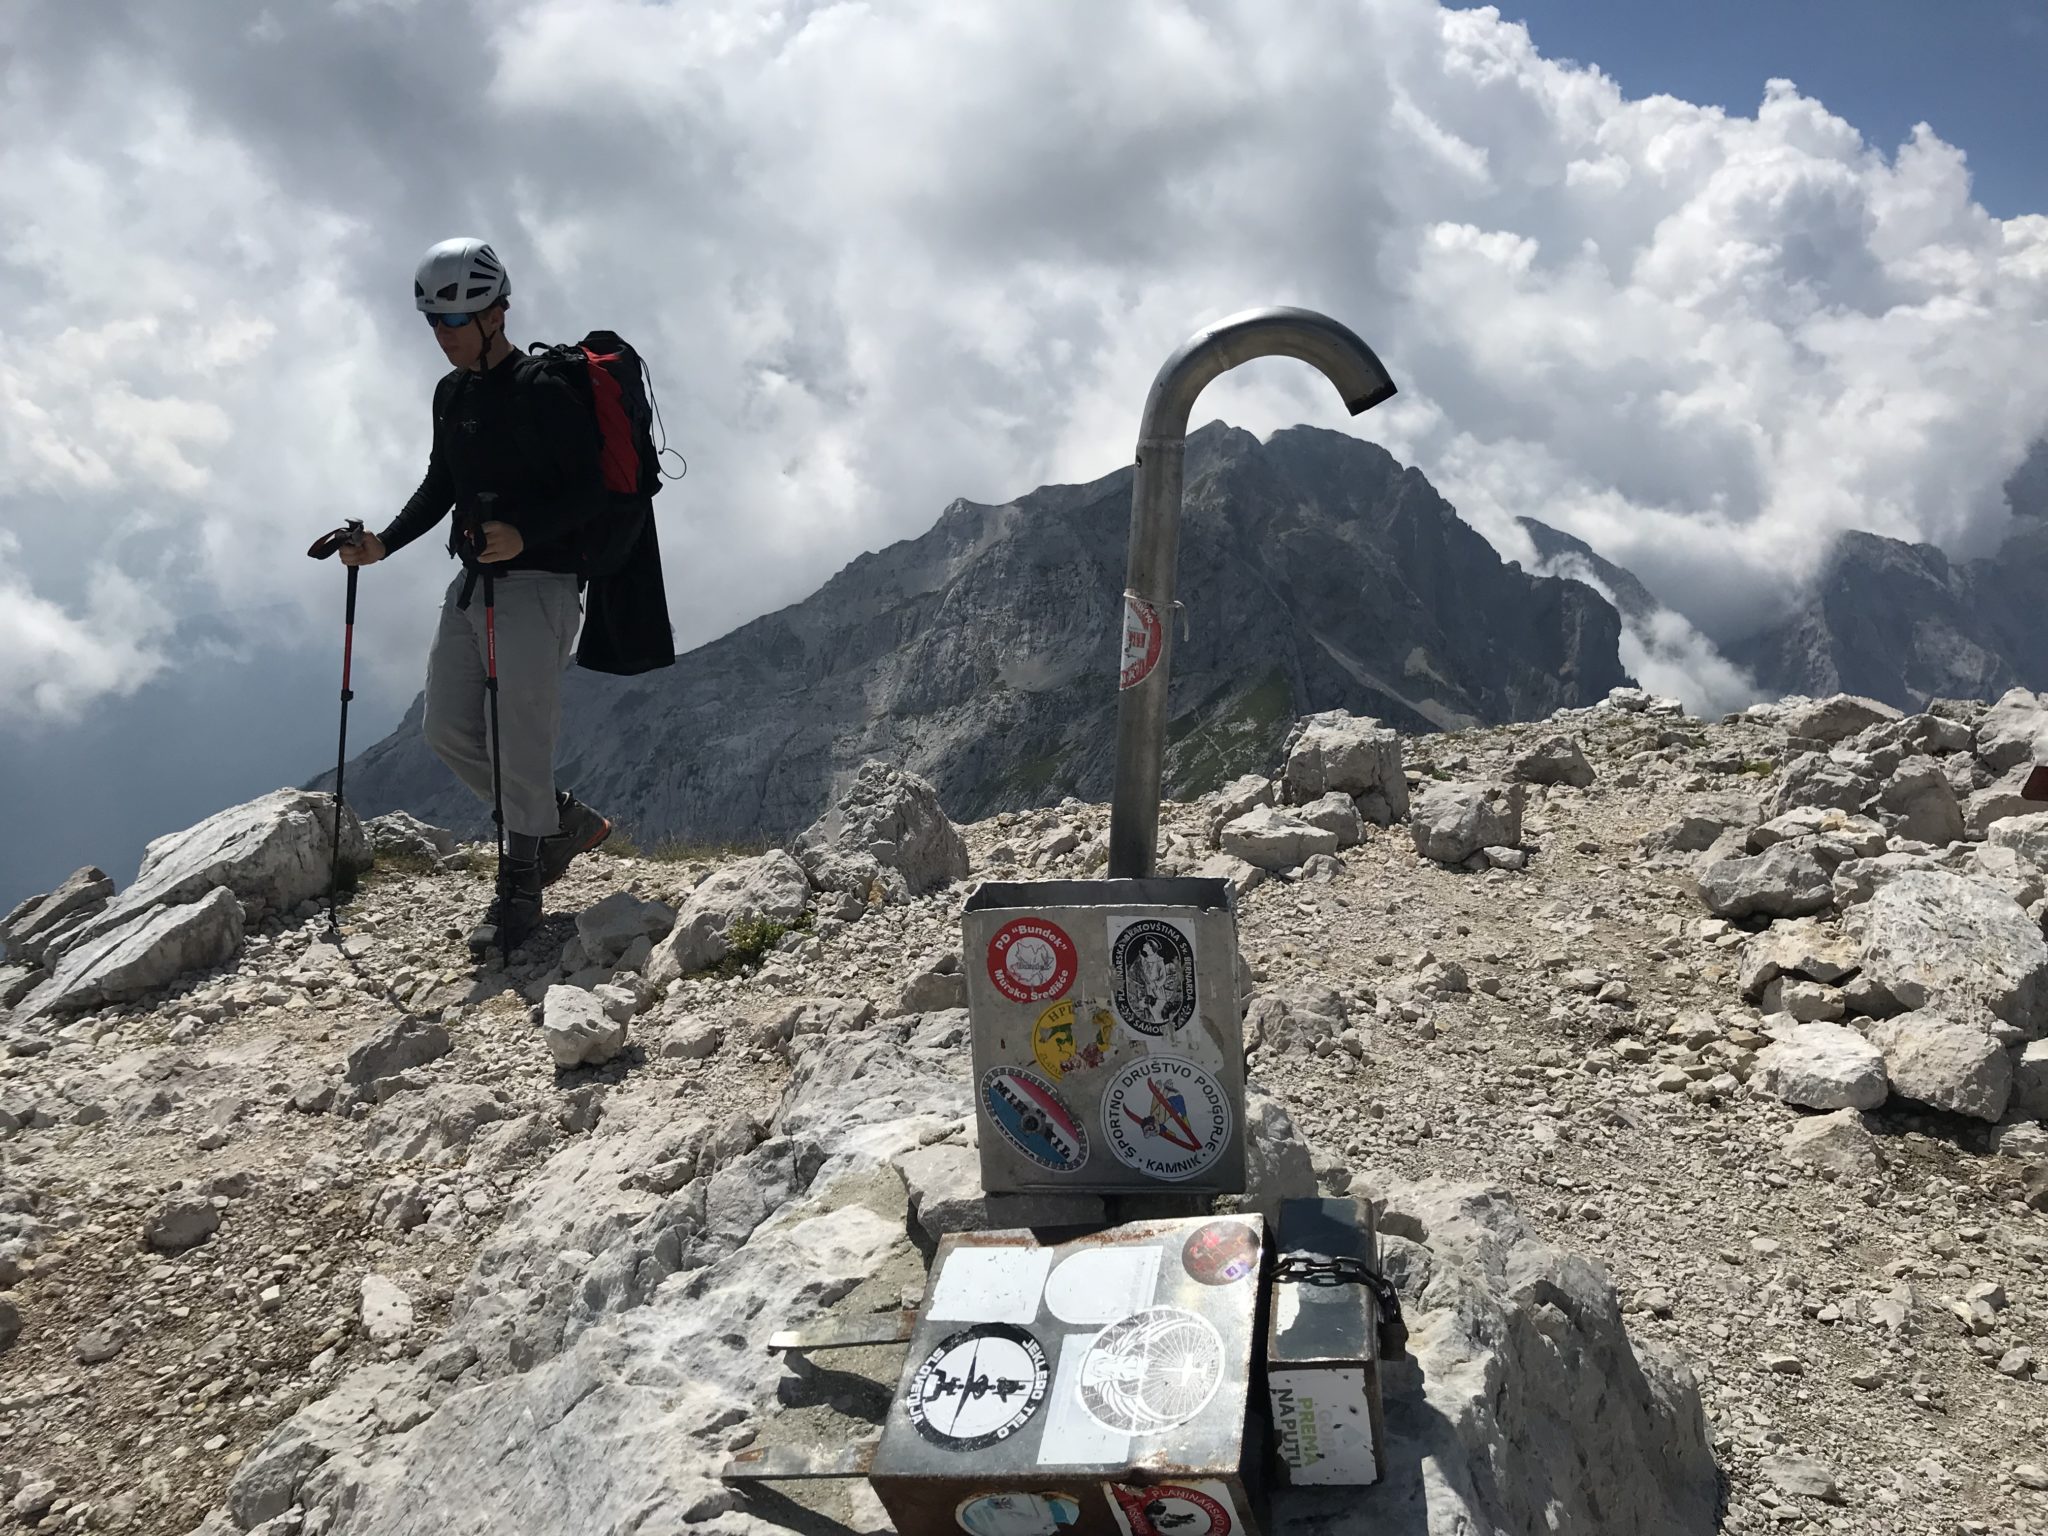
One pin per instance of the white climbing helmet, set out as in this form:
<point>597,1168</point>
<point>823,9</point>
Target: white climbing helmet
<point>459,277</point>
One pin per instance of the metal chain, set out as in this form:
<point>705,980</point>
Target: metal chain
<point>1323,1269</point>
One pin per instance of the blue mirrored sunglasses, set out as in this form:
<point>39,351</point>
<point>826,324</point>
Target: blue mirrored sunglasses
<point>449,322</point>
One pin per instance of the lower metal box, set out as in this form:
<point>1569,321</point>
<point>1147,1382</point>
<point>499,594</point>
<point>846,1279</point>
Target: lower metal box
<point>1097,1387</point>
<point>1322,1354</point>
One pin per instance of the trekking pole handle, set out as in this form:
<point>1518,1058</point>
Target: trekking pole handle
<point>349,533</point>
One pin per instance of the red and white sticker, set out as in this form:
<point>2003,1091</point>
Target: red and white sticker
<point>1144,638</point>
<point>1172,1509</point>
<point>1032,959</point>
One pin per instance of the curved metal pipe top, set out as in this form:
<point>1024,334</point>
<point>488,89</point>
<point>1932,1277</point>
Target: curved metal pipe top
<point>1275,331</point>
<point>1155,537</point>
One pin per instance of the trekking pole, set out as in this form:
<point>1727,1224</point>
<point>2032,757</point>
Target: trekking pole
<point>351,534</point>
<point>491,668</point>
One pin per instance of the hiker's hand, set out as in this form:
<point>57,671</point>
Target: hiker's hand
<point>367,550</point>
<point>501,542</point>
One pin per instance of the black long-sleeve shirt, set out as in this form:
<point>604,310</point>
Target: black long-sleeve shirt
<point>523,434</point>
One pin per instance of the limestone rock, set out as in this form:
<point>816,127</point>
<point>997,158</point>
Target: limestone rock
<point>1555,760</point>
<point>1351,754</point>
<point>1929,936</point>
<point>894,819</point>
<point>401,832</point>
<point>1453,821</point>
<point>1803,1000</point>
<point>1336,813</point>
<point>27,930</point>
<point>435,1124</point>
<point>1703,823</point>
<point>1785,880</point>
<point>2029,1099</point>
<point>1279,1164</point>
<point>1274,840</point>
<point>1298,1016</point>
<point>1839,1144</point>
<point>158,945</point>
<point>273,850</point>
<point>1862,837</point>
<point>2026,836</point>
<point>579,1029</point>
<point>1801,947</point>
<point>1836,718</point>
<point>1823,1066</point>
<point>2012,729</point>
<point>1497,1318</point>
<point>2003,798</point>
<point>1233,800</point>
<point>1948,1059</point>
<point>609,926</point>
<point>181,1222</point>
<point>403,1044</point>
<point>385,1309</point>
<point>1918,801</point>
<point>773,886</point>
<point>1846,783</point>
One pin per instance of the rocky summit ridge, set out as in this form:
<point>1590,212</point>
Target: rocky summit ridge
<point>1698,1068</point>
<point>1317,573</point>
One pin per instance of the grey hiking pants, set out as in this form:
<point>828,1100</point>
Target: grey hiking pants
<point>537,615</point>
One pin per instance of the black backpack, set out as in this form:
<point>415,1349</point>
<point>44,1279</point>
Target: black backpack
<point>625,622</point>
<point>606,373</point>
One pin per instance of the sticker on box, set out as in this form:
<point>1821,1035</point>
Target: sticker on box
<point>981,1385</point>
<point>1031,959</point>
<point>1165,1117</point>
<point>1034,1118</point>
<point>989,1285</point>
<point>1144,641</point>
<point>1172,1509</point>
<point>1322,1425</point>
<point>1017,1514</point>
<point>1069,1437</point>
<point>1062,1048</point>
<point>1221,1253</point>
<point>1152,967</point>
<point>1100,1285</point>
<point>1152,1371</point>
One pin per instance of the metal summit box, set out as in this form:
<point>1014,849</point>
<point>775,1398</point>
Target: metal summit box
<point>1322,1346</point>
<point>1108,1037</point>
<point>1097,1387</point>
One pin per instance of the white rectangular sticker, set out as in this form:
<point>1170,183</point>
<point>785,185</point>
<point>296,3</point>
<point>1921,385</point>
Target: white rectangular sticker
<point>1073,1437</point>
<point>990,1285</point>
<point>1192,1508</point>
<point>1322,1423</point>
<point>1100,1285</point>
<point>1152,974</point>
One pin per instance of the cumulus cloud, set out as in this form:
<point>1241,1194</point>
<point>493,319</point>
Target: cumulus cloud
<point>885,256</point>
<point>54,662</point>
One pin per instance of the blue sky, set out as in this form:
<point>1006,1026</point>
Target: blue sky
<point>1975,70</point>
<point>886,256</point>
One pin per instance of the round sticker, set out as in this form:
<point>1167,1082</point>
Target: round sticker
<point>1017,1514</point>
<point>1034,1118</point>
<point>1171,1509</point>
<point>1031,960</point>
<point>1221,1252</point>
<point>1153,965</point>
<point>1053,1039</point>
<point>979,1386</point>
<point>1165,1117</point>
<point>1152,1371</point>
<point>1144,638</point>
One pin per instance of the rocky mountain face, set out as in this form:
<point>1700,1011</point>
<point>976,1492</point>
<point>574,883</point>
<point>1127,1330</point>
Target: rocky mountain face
<point>1316,573</point>
<point>1697,1069</point>
<point>1903,623</point>
<point>1559,551</point>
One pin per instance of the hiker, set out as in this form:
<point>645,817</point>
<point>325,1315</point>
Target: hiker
<point>516,456</point>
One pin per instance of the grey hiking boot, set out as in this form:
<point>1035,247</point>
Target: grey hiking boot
<point>515,910</point>
<point>582,830</point>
